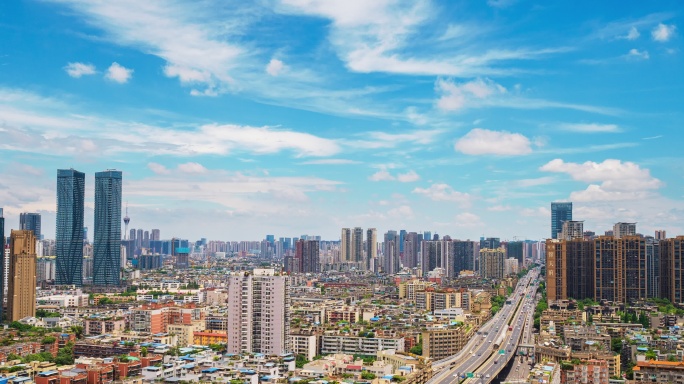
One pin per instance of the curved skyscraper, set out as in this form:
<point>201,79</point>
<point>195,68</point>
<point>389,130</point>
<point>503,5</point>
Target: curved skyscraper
<point>107,241</point>
<point>69,232</point>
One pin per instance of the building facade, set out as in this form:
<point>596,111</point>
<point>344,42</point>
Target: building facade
<point>107,244</point>
<point>492,263</point>
<point>30,221</point>
<point>69,229</point>
<point>258,312</point>
<point>560,212</point>
<point>21,300</point>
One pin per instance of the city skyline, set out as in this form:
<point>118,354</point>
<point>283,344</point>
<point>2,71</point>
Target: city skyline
<point>458,118</point>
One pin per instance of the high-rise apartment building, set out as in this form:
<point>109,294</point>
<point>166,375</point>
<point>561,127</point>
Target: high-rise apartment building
<point>412,241</point>
<point>621,230</point>
<point>672,269</point>
<point>571,230</point>
<point>357,247</point>
<point>660,234</point>
<point>107,243</point>
<point>3,265</point>
<point>514,249</point>
<point>490,243</point>
<point>21,297</point>
<point>652,267</point>
<point>463,252</point>
<point>371,248</point>
<point>258,312</point>
<point>307,256</point>
<point>30,221</point>
<point>492,263</point>
<point>346,245</point>
<point>390,254</point>
<point>560,212</point>
<point>570,269</point>
<point>155,235</point>
<point>69,229</point>
<point>434,254</point>
<point>620,269</point>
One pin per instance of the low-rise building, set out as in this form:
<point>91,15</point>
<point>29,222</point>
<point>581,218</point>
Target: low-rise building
<point>332,344</point>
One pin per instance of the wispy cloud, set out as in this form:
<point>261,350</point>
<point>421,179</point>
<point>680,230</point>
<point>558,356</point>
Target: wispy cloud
<point>374,36</point>
<point>637,54</point>
<point>590,128</point>
<point>79,69</point>
<point>330,162</point>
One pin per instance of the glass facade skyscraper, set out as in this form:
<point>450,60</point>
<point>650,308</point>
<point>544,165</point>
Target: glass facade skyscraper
<point>560,212</point>
<point>69,230</point>
<point>107,236</point>
<point>31,222</point>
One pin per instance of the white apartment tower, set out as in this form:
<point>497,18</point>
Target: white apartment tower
<point>572,230</point>
<point>258,312</point>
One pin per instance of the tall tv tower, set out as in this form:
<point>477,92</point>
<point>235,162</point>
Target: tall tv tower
<point>126,221</point>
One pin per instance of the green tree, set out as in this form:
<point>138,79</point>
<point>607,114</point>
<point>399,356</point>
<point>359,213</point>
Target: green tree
<point>368,375</point>
<point>616,344</point>
<point>300,360</point>
<point>672,358</point>
<point>143,351</point>
<point>77,330</point>
<point>13,356</point>
<point>417,349</point>
<point>65,356</point>
<point>48,340</point>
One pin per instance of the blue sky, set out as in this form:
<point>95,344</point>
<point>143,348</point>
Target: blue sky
<point>234,119</point>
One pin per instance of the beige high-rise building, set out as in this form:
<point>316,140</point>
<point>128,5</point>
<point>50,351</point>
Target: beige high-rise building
<point>21,297</point>
<point>346,245</point>
<point>492,263</point>
<point>572,230</point>
<point>371,248</point>
<point>621,230</point>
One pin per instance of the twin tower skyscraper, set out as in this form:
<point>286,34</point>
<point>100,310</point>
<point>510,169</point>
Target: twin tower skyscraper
<point>70,224</point>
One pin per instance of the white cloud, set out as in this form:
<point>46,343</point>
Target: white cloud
<point>192,168</point>
<point>468,219</point>
<point>663,32</point>
<point>454,96</point>
<point>408,177</point>
<point>618,180</point>
<point>499,208</point>
<point>381,175</point>
<point>443,192</point>
<point>190,38</point>
<point>35,124</point>
<point>485,142</point>
<point>591,128</point>
<point>637,54</point>
<point>118,73</point>
<point>391,140</point>
<point>401,212</point>
<point>330,162</point>
<point>275,67</point>
<point>373,36</point>
<point>384,175</point>
<point>79,69</point>
<point>158,169</point>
